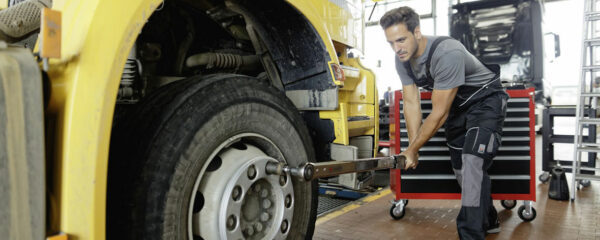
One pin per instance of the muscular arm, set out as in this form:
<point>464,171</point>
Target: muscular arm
<point>412,110</point>
<point>441,101</point>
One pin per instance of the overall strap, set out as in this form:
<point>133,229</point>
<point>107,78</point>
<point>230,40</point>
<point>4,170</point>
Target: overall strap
<point>434,45</point>
<point>409,70</point>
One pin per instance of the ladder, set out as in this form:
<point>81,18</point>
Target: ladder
<point>587,98</point>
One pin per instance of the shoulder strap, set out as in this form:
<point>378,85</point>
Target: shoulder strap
<point>409,70</point>
<point>431,51</point>
<point>494,68</point>
<point>434,45</point>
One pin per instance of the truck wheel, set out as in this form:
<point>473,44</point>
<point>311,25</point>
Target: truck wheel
<point>190,163</point>
<point>22,163</point>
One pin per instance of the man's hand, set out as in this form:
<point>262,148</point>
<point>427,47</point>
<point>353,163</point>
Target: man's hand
<point>412,159</point>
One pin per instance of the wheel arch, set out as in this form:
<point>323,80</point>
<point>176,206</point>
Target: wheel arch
<point>300,47</point>
<point>84,86</point>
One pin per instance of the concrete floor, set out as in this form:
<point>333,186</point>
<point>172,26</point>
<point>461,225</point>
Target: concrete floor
<point>369,218</point>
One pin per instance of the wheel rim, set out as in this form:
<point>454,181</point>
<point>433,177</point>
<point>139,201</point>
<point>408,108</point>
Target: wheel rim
<point>526,214</point>
<point>398,210</point>
<point>235,190</point>
<point>510,203</point>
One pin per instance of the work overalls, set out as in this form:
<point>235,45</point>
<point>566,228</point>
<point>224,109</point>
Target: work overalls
<point>473,134</point>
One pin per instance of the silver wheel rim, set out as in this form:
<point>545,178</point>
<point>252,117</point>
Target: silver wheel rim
<point>398,210</point>
<point>241,201</point>
<point>527,214</point>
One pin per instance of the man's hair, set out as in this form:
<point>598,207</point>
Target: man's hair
<point>404,15</point>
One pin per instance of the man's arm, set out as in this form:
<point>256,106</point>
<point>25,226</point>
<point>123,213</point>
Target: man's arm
<point>412,110</point>
<point>441,101</point>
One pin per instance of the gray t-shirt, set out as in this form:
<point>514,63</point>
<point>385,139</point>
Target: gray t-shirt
<point>451,66</point>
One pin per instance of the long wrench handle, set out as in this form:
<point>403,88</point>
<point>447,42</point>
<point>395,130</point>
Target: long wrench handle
<point>311,171</point>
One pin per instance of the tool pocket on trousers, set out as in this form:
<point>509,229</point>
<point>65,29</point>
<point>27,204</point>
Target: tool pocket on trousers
<point>481,142</point>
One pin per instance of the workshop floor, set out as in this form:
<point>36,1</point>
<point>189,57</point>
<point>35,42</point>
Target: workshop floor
<point>369,218</point>
<point>435,219</point>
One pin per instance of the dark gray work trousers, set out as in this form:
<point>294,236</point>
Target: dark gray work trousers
<point>473,132</point>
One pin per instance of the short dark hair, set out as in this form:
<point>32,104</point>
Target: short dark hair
<point>404,15</point>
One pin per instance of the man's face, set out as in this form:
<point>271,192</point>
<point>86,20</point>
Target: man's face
<point>403,42</point>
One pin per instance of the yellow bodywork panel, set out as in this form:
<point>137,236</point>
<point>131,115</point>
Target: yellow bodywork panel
<point>3,4</point>
<point>342,19</point>
<point>97,37</point>
<point>358,113</point>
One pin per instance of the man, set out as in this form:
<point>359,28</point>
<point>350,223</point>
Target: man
<point>386,96</point>
<point>467,95</point>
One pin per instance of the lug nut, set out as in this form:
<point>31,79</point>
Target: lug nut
<point>237,193</point>
<point>264,193</point>
<point>266,203</point>
<point>284,226</point>
<point>282,180</point>
<point>264,217</point>
<point>231,221</point>
<point>258,227</point>
<point>257,187</point>
<point>249,231</point>
<point>288,201</point>
<point>251,172</point>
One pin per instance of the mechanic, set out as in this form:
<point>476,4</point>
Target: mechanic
<point>467,96</point>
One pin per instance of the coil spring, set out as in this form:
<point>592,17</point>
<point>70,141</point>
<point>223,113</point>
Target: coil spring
<point>224,60</point>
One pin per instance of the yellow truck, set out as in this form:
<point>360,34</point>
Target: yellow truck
<point>151,119</point>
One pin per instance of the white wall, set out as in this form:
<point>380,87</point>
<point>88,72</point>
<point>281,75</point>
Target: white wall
<point>565,18</point>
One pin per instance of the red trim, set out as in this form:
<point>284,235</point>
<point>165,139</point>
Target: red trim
<point>427,196</point>
<point>495,196</point>
<point>532,178</point>
<point>395,178</point>
<point>395,135</point>
<point>395,182</point>
<point>384,143</point>
<point>508,196</point>
<point>520,93</point>
<point>395,123</point>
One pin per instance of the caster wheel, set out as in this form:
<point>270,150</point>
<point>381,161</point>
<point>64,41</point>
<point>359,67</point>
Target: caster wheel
<point>525,216</point>
<point>544,177</point>
<point>585,183</point>
<point>508,204</point>
<point>397,212</point>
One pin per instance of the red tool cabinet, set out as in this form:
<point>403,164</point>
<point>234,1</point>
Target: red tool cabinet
<point>512,172</point>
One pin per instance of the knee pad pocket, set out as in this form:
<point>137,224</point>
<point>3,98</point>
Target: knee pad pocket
<point>481,142</point>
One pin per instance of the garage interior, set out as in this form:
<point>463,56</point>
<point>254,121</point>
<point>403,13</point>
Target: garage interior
<point>287,119</point>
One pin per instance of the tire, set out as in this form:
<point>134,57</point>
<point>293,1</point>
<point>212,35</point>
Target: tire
<point>526,217</point>
<point>169,156</point>
<point>23,194</point>
<point>508,204</point>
